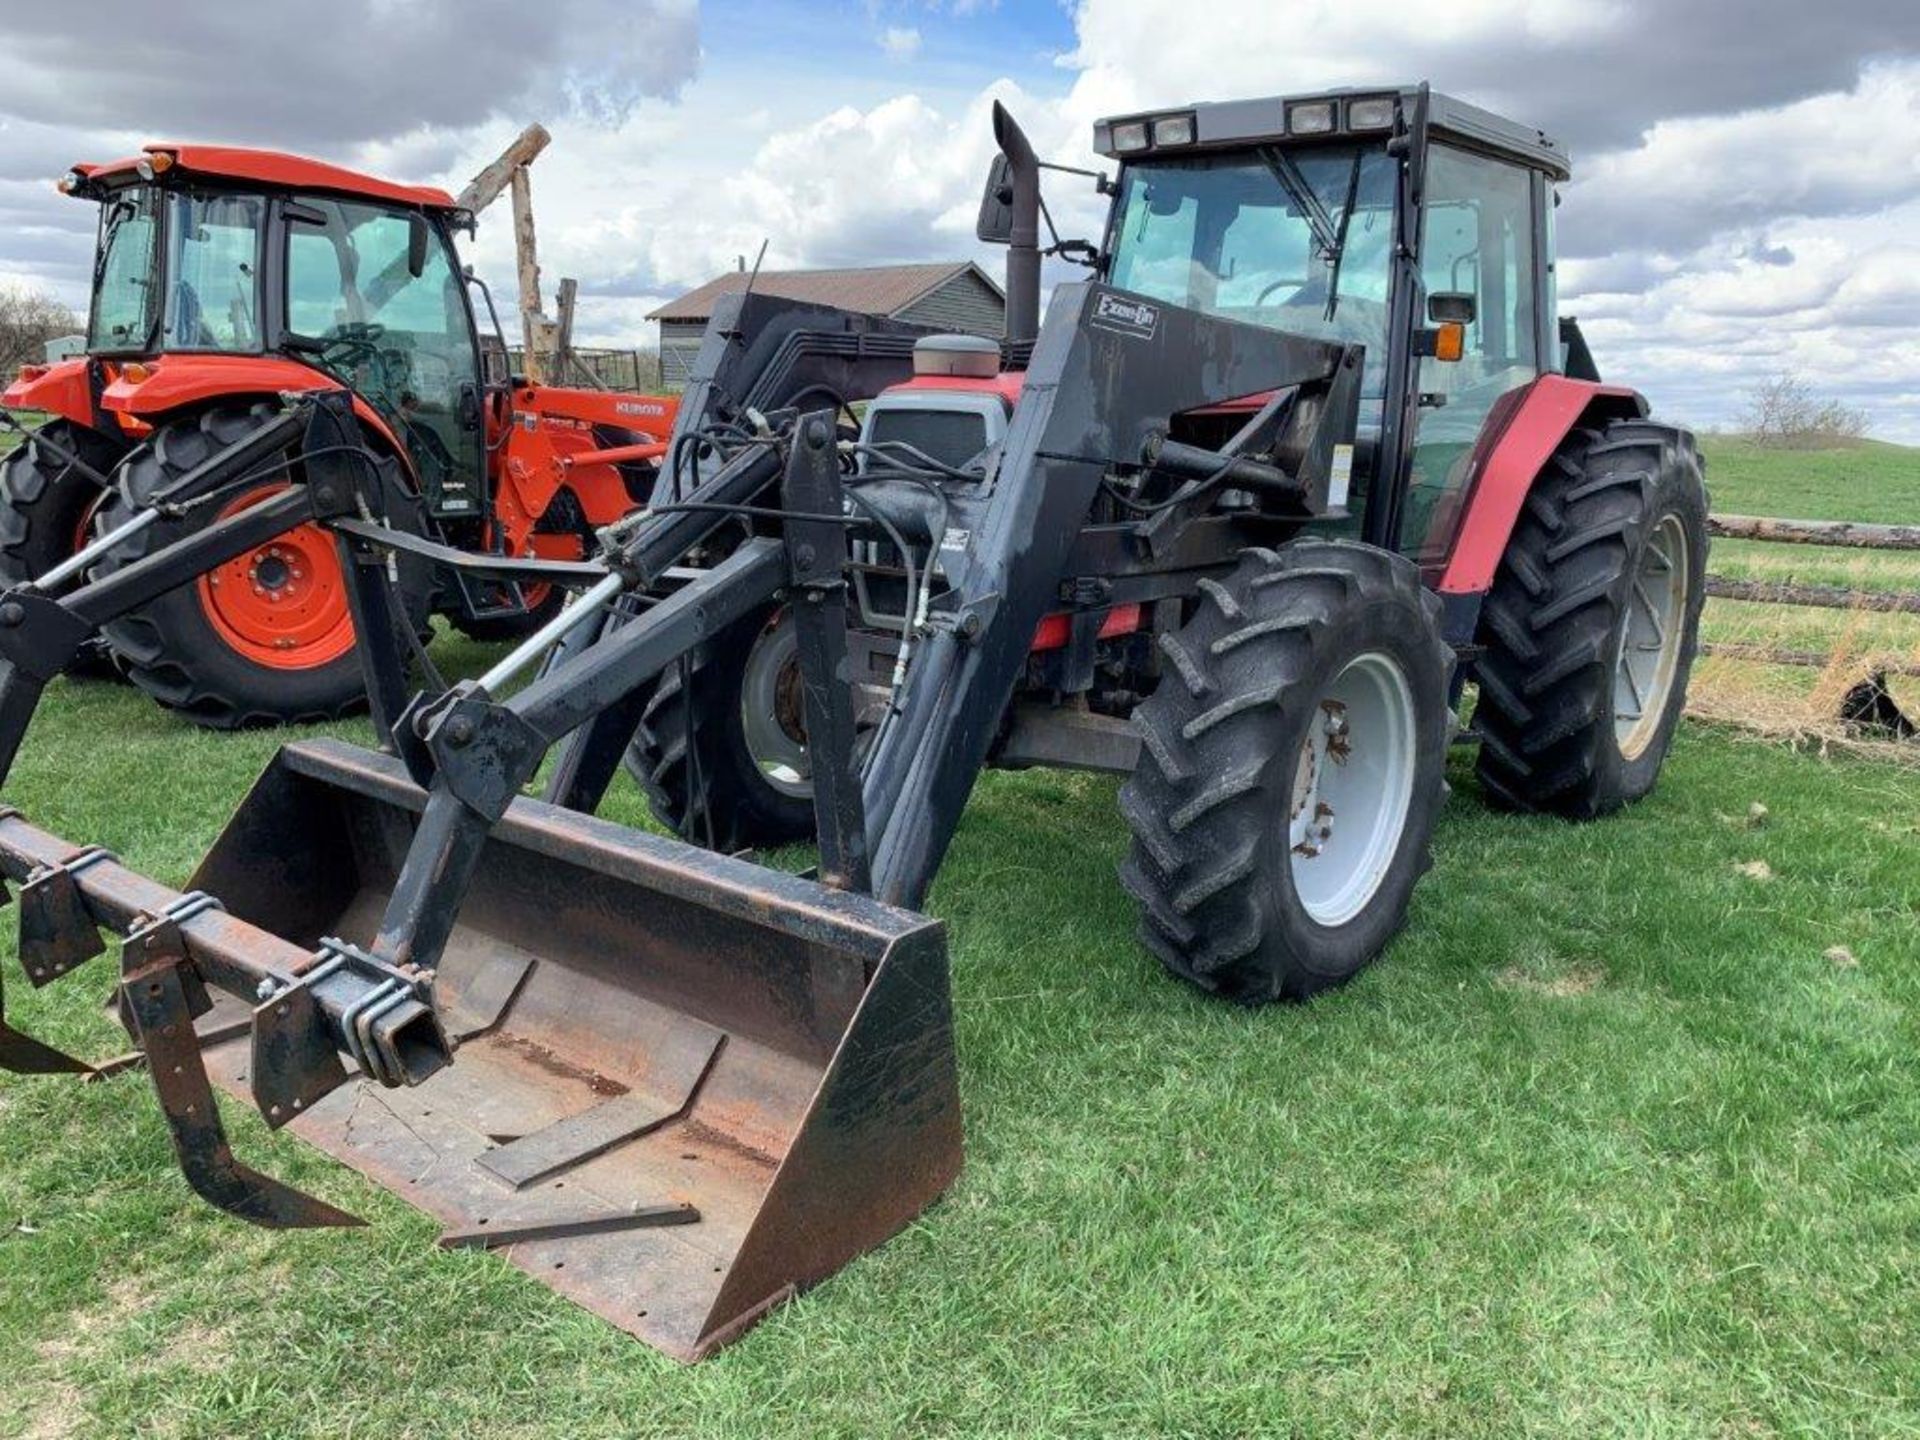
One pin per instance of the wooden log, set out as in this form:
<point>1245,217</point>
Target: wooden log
<point>567,367</point>
<point>486,186</point>
<point>1853,534</point>
<point>1806,659</point>
<point>1822,597</point>
<point>533,322</point>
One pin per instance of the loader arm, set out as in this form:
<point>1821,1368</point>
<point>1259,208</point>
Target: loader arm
<point>1109,374</point>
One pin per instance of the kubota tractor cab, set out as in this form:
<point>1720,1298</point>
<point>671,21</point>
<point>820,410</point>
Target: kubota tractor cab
<point>225,279</point>
<point>1299,458</point>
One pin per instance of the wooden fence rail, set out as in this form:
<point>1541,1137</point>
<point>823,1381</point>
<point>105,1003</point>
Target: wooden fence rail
<point>1867,707</point>
<point>1852,534</point>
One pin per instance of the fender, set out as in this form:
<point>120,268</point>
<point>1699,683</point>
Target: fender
<point>63,388</point>
<point>140,394</point>
<point>1521,435</point>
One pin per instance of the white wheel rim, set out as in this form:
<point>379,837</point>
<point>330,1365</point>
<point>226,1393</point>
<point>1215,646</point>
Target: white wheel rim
<point>1353,789</point>
<point>1649,654</point>
<point>771,718</point>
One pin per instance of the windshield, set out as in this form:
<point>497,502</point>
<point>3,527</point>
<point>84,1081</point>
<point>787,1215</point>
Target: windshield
<point>213,272</point>
<point>1297,240</point>
<point>124,297</point>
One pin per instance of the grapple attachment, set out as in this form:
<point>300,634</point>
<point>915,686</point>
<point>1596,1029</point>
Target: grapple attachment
<point>685,1085</point>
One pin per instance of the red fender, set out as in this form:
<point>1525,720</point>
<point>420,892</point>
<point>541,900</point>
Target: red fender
<point>60,388</point>
<point>1521,435</point>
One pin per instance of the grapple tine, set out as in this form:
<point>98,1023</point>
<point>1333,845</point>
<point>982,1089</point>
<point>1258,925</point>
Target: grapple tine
<point>154,979</point>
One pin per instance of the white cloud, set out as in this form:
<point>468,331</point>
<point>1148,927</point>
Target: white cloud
<point>900,42</point>
<point>1748,171</point>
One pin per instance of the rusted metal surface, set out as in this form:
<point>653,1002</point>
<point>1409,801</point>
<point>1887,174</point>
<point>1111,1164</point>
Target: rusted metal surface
<point>1851,534</point>
<point>799,1040</point>
<point>155,972</point>
<point>498,1237</point>
<point>677,1060</point>
<point>1822,597</point>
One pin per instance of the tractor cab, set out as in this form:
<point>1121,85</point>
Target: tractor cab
<point>1410,223</point>
<point>227,262</point>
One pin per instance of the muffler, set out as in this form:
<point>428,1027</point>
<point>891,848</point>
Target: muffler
<point>685,1086</point>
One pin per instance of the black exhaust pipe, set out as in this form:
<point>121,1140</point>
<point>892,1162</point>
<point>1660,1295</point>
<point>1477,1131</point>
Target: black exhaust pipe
<point>1023,245</point>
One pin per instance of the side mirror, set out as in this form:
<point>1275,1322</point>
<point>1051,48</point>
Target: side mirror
<point>1452,307</point>
<point>995,226</point>
<point>419,237</point>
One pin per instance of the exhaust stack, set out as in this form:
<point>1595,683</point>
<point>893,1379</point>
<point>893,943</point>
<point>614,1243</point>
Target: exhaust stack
<point>1023,246</point>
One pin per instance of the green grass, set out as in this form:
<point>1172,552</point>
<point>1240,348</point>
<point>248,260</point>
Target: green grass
<point>1605,1145</point>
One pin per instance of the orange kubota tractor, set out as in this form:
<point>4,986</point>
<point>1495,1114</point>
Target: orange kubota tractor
<point>226,280</point>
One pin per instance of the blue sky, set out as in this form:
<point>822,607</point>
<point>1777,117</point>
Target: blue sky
<point>1746,197</point>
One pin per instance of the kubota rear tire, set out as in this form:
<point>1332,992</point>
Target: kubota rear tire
<point>47,508</point>
<point>1291,770</point>
<point>266,639</point>
<point>1590,629</point>
<point>709,775</point>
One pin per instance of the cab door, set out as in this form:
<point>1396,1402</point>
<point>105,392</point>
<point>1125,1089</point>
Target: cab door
<point>1479,239</point>
<point>403,341</point>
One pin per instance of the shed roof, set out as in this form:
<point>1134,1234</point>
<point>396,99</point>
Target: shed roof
<point>870,290</point>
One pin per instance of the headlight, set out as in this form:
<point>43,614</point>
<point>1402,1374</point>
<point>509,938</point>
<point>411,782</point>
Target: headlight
<point>1132,135</point>
<point>1313,118</point>
<point>1374,113</point>
<point>1173,130</point>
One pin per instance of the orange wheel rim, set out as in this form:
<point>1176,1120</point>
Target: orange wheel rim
<point>284,603</point>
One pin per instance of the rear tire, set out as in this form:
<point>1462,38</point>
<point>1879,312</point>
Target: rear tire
<point>694,725</point>
<point>46,510</point>
<point>173,649</point>
<point>1609,552</point>
<point>1312,671</point>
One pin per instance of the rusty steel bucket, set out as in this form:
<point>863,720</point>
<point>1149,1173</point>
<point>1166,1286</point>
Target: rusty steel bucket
<point>683,1087</point>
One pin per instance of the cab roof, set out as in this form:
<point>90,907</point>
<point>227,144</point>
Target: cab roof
<point>268,169</point>
<point>1233,124</point>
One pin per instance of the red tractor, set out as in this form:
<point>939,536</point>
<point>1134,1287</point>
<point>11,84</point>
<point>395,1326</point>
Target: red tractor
<point>226,279</point>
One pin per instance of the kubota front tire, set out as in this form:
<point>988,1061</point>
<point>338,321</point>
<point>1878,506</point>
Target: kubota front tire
<point>266,639</point>
<point>1590,629</point>
<point>47,507</point>
<point>1291,771</point>
<point>721,751</point>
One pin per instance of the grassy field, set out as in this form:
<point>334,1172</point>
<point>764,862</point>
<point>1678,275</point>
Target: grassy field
<point>1621,1137</point>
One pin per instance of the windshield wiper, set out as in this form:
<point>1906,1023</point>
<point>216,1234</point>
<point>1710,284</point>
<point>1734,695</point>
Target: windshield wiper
<point>1340,238</point>
<point>122,211</point>
<point>1326,238</point>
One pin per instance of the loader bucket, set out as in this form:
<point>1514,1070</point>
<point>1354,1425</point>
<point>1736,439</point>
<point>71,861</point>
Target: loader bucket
<point>685,1086</point>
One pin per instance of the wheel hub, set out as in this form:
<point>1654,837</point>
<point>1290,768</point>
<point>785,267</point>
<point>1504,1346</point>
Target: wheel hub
<point>1352,789</point>
<point>1650,634</point>
<point>283,605</point>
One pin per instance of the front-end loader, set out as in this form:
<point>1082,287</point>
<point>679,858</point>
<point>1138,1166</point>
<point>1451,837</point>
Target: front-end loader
<point>226,280</point>
<point>1300,460</point>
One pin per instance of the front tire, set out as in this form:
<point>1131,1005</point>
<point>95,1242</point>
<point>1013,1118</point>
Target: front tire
<point>1291,771</point>
<point>721,749</point>
<point>266,639</point>
<point>1590,630</point>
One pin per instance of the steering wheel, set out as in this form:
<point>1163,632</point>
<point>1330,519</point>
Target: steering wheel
<point>1261,299</point>
<point>360,335</point>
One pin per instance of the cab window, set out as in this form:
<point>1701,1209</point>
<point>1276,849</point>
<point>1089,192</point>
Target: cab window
<point>1477,240</point>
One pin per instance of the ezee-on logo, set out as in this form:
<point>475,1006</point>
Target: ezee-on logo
<point>1129,317</point>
